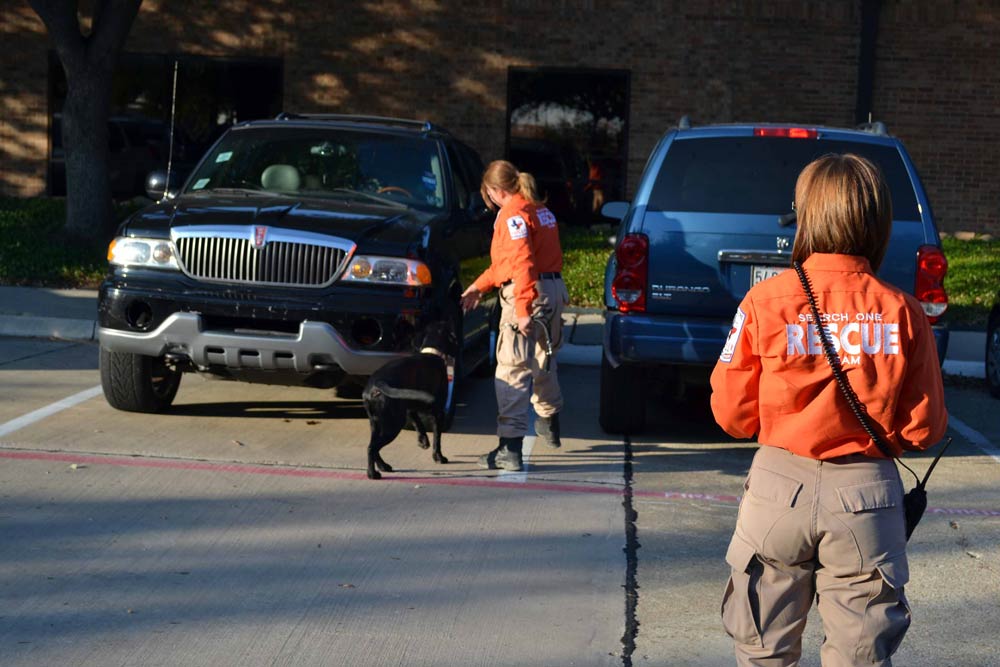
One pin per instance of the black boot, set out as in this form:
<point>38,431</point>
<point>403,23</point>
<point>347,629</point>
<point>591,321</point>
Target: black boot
<point>547,429</point>
<point>505,457</point>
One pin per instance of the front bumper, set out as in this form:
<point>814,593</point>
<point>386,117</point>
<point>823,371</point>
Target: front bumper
<point>637,338</point>
<point>354,330</point>
<point>316,347</point>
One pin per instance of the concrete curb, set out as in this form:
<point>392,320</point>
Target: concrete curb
<point>970,369</point>
<point>579,355</point>
<point>962,350</point>
<point>61,328</point>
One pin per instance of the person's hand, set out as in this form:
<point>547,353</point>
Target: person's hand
<point>524,324</point>
<point>470,298</point>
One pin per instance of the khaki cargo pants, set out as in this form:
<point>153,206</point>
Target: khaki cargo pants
<point>829,530</point>
<point>520,378</point>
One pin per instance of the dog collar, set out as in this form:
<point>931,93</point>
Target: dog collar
<point>437,353</point>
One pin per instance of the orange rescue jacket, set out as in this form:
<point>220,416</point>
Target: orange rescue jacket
<point>522,248</point>
<point>545,241</point>
<point>772,378</point>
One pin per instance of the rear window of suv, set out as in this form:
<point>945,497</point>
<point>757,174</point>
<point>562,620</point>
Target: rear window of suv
<point>758,174</point>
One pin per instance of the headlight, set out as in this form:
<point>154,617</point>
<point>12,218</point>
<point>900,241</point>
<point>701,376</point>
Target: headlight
<point>387,271</point>
<point>156,253</point>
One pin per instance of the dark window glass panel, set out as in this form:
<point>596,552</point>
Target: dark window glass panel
<point>212,95</point>
<point>758,174</point>
<point>568,128</point>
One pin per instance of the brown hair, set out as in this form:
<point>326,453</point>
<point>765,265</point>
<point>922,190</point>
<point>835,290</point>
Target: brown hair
<point>504,176</point>
<point>843,206</point>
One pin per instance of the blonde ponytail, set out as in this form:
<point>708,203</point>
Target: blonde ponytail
<point>527,187</point>
<point>503,175</point>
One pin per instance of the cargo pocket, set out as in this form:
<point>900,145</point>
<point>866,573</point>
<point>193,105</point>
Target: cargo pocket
<point>887,616</point>
<point>877,524</point>
<point>741,601</point>
<point>513,348</point>
<point>764,484</point>
<point>879,494</point>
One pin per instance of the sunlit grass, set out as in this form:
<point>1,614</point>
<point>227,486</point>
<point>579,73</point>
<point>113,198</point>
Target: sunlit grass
<point>34,251</point>
<point>972,282</point>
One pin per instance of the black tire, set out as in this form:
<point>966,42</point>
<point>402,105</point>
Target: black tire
<point>623,406</point>
<point>993,354</point>
<point>137,383</point>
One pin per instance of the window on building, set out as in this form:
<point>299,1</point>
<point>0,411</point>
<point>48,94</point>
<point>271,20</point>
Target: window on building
<point>212,94</point>
<point>569,129</point>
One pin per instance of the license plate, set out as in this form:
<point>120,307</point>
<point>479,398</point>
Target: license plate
<point>759,273</point>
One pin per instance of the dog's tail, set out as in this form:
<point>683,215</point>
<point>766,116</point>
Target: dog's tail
<point>404,394</point>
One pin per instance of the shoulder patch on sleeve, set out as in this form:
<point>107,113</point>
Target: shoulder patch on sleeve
<point>734,336</point>
<point>517,227</point>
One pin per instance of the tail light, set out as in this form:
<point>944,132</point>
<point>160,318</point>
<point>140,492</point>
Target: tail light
<point>787,132</point>
<point>932,266</point>
<point>629,284</point>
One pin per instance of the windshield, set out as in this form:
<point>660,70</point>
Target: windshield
<point>325,163</point>
<point>758,174</point>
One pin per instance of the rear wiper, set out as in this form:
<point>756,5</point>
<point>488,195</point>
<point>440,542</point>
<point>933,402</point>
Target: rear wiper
<point>370,196</point>
<point>787,219</point>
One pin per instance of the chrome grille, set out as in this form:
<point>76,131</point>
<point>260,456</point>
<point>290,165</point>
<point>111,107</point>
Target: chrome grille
<point>229,258</point>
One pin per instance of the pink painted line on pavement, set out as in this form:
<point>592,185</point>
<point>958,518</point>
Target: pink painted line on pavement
<point>283,471</point>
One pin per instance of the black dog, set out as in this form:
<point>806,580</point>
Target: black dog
<point>414,387</point>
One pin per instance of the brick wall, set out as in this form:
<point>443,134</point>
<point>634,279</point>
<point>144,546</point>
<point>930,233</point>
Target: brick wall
<point>714,60</point>
<point>24,143</point>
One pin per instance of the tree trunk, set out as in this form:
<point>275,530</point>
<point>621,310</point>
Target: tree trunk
<point>89,62</point>
<point>85,136</point>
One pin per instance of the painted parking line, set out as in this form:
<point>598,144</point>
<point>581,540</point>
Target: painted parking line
<point>324,473</point>
<point>48,411</point>
<point>521,477</point>
<point>975,437</point>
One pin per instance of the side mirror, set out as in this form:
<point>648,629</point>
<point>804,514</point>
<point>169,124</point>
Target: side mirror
<point>477,204</point>
<point>157,187</point>
<point>615,209</point>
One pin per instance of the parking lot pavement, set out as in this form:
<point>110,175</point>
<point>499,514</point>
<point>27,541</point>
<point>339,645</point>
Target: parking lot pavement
<point>239,529</point>
<point>688,480</point>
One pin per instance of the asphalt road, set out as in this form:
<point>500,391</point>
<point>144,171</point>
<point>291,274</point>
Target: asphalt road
<point>239,530</point>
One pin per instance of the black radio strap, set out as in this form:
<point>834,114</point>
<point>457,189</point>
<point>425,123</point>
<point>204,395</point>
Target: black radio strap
<point>845,386</point>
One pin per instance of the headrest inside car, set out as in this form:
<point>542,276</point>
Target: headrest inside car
<point>281,177</point>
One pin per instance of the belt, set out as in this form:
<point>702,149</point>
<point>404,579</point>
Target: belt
<point>551,275</point>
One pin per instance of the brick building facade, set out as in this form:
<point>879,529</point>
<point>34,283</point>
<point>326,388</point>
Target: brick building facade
<point>797,61</point>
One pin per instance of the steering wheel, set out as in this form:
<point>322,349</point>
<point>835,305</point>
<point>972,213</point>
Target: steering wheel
<point>394,188</point>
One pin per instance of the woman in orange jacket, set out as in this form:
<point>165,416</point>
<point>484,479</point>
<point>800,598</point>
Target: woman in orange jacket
<point>822,516</point>
<point>526,265</point>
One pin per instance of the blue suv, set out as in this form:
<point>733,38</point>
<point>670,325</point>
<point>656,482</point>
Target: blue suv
<point>711,217</point>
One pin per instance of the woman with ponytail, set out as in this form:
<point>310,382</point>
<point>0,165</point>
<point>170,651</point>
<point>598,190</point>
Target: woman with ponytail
<point>526,261</point>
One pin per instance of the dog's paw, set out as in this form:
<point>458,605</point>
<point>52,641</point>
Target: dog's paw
<point>384,467</point>
<point>373,474</point>
<point>440,458</point>
<point>423,442</point>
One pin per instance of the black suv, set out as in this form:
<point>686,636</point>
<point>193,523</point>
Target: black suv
<point>304,250</point>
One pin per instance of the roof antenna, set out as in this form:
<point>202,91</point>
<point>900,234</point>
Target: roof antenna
<point>170,149</point>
